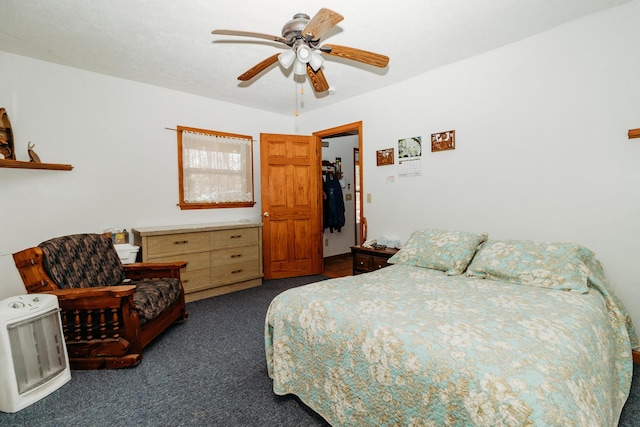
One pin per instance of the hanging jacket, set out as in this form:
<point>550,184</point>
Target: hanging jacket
<point>333,215</point>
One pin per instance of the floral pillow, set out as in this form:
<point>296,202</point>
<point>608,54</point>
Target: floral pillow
<point>526,262</point>
<point>448,251</point>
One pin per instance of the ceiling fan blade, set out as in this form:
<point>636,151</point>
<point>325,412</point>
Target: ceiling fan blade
<point>363,56</point>
<point>256,69</point>
<point>318,81</point>
<point>320,23</point>
<point>249,34</point>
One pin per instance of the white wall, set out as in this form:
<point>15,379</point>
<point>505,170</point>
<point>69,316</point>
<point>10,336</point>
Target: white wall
<point>338,243</point>
<point>124,160</point>
<point>542,150</point>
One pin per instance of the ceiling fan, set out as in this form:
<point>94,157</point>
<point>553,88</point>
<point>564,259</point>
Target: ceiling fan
<point>302,35</point>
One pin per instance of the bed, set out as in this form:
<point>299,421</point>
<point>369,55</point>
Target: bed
<point>459,331</point>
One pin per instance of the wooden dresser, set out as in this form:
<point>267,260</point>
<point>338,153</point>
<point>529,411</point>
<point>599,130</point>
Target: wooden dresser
<point>220,257</point>
<point>368,259</point>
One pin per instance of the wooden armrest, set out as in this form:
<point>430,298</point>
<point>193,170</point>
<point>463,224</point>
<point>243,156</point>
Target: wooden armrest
<point>34,276</point>
<point>153,270</point>
<point>93,298</point>
<point>112,291</point>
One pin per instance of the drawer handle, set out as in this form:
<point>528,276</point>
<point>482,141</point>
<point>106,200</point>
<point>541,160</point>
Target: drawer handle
<point>236,256</point>
<point>236,236</point>
<point>185,281</point>
<point>236,271</point>
<point>180,242</point>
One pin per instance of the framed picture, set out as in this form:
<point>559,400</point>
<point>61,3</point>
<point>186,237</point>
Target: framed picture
<point>443,141</point>
<point>384,157</point>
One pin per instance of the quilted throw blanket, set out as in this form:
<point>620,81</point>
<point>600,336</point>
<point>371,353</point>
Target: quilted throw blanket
<point>410,346</point>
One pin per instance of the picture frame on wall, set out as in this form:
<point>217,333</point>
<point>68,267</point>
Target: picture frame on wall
<point>385,157</point>
<point>443,141</point>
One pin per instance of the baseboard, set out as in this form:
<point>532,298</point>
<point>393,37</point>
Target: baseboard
<point>636,357</point>
<point>221,290</point>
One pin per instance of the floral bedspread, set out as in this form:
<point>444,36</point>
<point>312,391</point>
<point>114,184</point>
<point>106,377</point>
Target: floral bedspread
<point>409,346</point>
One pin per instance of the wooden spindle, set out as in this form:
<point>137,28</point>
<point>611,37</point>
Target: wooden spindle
<point>77,325</point>
<point>102,324</point>
<point>89,325</point>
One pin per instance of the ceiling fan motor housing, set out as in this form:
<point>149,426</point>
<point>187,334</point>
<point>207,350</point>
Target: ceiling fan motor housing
<point>292,30</point>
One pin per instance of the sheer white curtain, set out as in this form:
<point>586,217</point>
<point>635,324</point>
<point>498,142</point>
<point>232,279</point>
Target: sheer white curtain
<point>216,169</point>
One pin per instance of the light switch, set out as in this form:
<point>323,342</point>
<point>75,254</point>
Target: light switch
<point>368,197</point>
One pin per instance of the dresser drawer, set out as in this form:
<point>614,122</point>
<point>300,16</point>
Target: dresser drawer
<point>235,272</point>
<point>235,255</point>
<point>362,262</point>
<point>240,236</point>
<point>196,280</point>
<point>195,261</point>
<point>378,262</point>
<point>177,244</point>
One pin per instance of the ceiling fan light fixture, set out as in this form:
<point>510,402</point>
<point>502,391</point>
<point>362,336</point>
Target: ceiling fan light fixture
<point>304,53</point>
<point>286,58</point>
<point>300,68</point>
<point>316,61</point>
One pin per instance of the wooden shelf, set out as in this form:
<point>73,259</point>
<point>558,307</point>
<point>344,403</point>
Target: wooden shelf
<point>634,133</point>
<point>18,164</point>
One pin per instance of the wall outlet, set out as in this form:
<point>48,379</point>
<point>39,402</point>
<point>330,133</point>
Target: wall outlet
<point>347,196</point>
<point>326,242</point>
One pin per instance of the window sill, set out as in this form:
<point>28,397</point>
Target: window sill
<point>187,206</point>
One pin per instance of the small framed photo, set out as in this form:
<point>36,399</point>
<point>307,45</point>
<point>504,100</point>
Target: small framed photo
<point>384,157</point>
<point>442,141</point>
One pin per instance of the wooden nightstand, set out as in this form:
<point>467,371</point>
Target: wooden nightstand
<point>366,259</point>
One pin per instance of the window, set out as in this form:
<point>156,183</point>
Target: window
<point>215,169</point>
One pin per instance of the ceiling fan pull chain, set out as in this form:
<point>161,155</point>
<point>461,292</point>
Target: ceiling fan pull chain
<point>301,95</point>
<point>296,91</point>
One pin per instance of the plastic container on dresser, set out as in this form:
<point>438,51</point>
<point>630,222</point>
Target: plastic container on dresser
<point>220,257</point>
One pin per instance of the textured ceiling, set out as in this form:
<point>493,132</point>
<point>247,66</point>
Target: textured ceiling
<point>169,43</point>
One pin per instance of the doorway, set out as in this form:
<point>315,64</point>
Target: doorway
<point>343,145</point>
<point>290,181</point>
<point>291,209</point>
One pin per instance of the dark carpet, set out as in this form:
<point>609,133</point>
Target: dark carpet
<point>207,371</point>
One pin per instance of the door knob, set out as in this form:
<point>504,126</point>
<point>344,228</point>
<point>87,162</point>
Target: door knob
<point>266,214</point>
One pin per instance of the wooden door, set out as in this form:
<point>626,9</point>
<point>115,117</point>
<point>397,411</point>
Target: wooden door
<point>291,206</point>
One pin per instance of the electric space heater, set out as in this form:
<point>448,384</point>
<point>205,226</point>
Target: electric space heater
<point>33,355</point>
